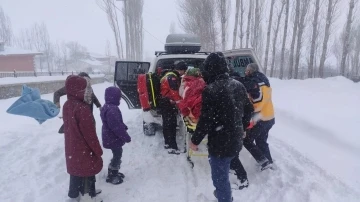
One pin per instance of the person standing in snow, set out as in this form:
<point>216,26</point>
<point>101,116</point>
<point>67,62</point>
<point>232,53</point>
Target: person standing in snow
<point>236,164</point>
<point>62,91</point>
<point>82,148</point>
<point>169,89</point>
<point>259,90</point>
<point>114,134</point>
<point>221,119</point>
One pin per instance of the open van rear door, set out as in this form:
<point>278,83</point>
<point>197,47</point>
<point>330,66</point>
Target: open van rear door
<point>238,59</point>
<point>126,75</point>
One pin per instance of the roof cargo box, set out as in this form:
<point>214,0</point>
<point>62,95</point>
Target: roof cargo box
<point>182,43</point>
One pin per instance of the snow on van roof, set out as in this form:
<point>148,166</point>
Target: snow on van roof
<point>17,51</point>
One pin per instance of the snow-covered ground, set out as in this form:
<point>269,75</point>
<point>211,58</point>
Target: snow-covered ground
<point>314,144</point>
<point>12,80</point>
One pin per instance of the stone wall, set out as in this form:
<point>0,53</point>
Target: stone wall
<point>45,87</point>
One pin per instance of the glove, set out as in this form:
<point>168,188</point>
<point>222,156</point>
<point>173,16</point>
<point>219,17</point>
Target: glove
<point>251,124</point>
<point>244,135</point>
<point>57,105</point>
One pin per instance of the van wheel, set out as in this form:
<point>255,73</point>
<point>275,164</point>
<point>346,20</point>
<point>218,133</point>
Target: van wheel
<point>149,129</point>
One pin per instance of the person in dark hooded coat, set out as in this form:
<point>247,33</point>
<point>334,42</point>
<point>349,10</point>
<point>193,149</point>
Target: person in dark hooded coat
<point>82,148</point>
<point>223,103</point>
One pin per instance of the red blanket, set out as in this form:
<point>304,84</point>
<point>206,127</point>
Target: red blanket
<point>190,105</point>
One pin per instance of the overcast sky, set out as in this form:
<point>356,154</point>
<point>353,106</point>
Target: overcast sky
<point>85,22</point>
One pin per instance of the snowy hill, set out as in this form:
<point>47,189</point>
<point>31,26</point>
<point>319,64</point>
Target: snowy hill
<point>315,145</point>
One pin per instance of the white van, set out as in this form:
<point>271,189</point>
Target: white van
<point>183,47</point>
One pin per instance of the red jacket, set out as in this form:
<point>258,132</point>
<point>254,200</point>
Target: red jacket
<point>82,148</point>
<point>169,86</point>
<point>191,102</point>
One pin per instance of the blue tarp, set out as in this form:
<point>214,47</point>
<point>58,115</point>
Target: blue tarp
<point>30,104</point>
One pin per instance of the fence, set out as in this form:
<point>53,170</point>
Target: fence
<point>16,74</point>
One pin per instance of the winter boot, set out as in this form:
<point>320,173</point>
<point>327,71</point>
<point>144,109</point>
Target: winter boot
<point>114,177</point>
<point>232,199</point>
<point>266,165</point>
<point>119,173</point>
<point>242,183</point>
<point>174,151</point>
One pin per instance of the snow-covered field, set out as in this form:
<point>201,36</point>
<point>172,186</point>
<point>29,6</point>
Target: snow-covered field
<point>315,145</point>
<point>12,80</point>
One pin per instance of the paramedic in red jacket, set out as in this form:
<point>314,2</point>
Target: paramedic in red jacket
<point>82,148</point>
<point>169,87</point>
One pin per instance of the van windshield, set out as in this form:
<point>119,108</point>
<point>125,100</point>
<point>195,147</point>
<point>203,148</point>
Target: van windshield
<point>169,63</point>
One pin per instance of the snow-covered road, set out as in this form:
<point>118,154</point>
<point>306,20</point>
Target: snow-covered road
<point>312,165</point>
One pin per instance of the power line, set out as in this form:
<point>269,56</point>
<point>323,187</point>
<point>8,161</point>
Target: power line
<point>142,27</point>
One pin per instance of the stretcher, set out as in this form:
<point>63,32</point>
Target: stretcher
<point>202,147</point>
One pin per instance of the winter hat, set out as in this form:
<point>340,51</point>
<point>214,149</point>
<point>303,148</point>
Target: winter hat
<point>215,64</point>
<point>180,65</point>
<point>193,72</point>
<point>78,87</point>
<point>253,67</point>
<point>84,74</point>
<point>113,95</point>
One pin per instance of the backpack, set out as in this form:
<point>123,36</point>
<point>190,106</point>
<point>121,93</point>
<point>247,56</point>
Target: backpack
<point>148,86</point>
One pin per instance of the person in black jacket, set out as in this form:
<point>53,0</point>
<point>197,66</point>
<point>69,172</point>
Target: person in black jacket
<point>62,91</point>
<point>223,103</point>
<point>236,164</point>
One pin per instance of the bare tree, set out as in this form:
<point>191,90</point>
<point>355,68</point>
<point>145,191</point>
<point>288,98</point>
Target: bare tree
<point>109,7</point>
<point>76,52</point>
<point>356,54</point>
<point>24,40</point>
<point>241,22</point>
<point>268,35</point>
<point>284,39</point>
<point>224,13</point>
<point>314,39</point>
<point>329,21</point>
<point>346,41</point>
<point>133,20</point>
<point>256,26</point>
<point>64,52</point>
<point>248,27</point>
<point>199,17</point>
<point>108,54</point>
<point>6,33</point>
<point>57,56</point>
<point>276,31</point>
<point>302,25</point>
<point>37,37</point>
<point>237,9</point>
<point>295,28</point>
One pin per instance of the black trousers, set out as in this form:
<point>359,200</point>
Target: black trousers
<point>169,117</point>
<point>239,169</point>
<point>115,162</point>
<point>256,141</point>
<point>81,185</point>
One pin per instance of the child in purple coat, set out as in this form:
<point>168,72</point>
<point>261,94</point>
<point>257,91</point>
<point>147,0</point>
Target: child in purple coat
<point>114,134</point>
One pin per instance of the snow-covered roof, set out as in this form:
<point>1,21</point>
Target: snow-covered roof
<point>97,55</point>
<point>92,62</point>
<point>17,51</point>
